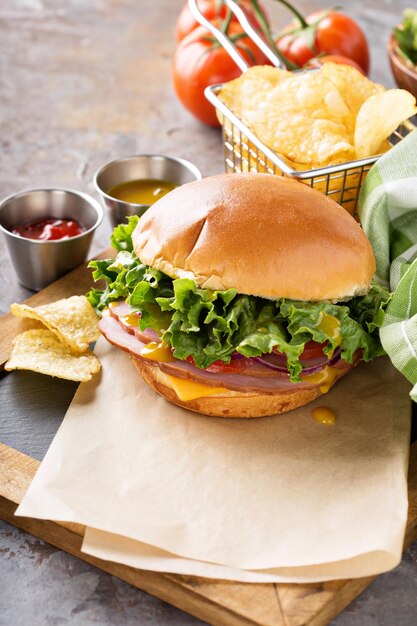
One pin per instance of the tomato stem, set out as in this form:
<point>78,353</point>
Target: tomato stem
<point>218,6</point>
<point>238,36</point>
<point>263,22</point>
<point>249,53</point>
<point>226,22</point>
<point>260,15</point>
<point>295,12</point>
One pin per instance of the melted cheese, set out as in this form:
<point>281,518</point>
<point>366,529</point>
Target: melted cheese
<point>185,389</point>
<point>158,352</point>
<point>325,378</point>
<point>190,390</point>
<point>324,415</point>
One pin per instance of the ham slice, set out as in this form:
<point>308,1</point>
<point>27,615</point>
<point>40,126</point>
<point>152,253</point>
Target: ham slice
<point>119,337</point>
<point>278,383</point>
<point>121,309</point>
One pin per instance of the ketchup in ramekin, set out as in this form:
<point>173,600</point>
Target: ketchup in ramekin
<point>48,229</point>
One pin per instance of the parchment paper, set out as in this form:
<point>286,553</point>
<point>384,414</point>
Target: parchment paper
<point>120,549</point>
<point>279,492</point>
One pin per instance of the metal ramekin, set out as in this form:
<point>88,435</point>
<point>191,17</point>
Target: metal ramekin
<point>39,263</point>
<point>135,167</point>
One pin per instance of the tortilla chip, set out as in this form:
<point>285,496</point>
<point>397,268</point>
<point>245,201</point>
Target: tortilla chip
<point>72,319</point>
<point>40,351</point>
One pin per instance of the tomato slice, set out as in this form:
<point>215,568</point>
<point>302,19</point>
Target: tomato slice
<point>235,366</point>
<point>313,349</point>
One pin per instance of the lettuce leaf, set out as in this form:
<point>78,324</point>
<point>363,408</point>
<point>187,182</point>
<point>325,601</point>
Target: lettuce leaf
<point>211,325</point>
<point>121,238</point>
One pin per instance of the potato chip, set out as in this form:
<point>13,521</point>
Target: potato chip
<point>302,117</point>
<point>40,351</point>
<point>72,319</point>
<point>309,118</point>
<point>354,86</point>
<point>311,92</point>
<point>379,116</point>
<point>259,79</point>
<point>305,140</point>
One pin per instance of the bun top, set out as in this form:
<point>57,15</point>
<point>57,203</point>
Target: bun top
<point>263,235</point>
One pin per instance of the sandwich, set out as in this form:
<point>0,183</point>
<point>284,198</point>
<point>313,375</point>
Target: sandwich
<point>242,295</point>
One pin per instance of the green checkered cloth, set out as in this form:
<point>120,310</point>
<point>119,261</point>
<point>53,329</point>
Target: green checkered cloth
<point>388,213</point>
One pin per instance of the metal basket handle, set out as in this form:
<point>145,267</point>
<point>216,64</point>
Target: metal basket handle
<point>227,44</point>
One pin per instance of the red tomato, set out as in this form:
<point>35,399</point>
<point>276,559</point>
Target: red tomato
<point>198,62</point>
<point>334,58</point>
<point>212,9</point>
<point>312,350</point>
<point>235,366</point>
<point>335,34</point>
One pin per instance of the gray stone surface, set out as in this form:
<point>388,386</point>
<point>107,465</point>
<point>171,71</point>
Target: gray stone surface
<point>42,586</point>
<point>80,83</point>
<point>390,601</point>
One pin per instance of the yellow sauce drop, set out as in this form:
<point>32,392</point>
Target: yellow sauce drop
<point>158,352</point>
<point>131,319</point>
<point>325,378</point>
<point>329,325</point>
<point>141,191</point>
<point>324,415</point>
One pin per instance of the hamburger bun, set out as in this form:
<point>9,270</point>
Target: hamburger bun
<point>263,235</point>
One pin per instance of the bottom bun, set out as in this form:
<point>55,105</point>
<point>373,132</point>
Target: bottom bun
<point>233,403</point>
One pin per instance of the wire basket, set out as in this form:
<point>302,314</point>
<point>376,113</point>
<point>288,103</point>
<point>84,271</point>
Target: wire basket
<point>244,152</point>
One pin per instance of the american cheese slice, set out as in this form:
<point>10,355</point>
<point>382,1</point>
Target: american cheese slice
<point>185,389</point>
<point>190,390</point>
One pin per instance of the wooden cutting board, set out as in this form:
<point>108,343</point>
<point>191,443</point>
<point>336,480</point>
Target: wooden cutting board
<point>214,601</point>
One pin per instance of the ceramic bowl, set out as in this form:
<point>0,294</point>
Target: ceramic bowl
<point>404,72</point>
